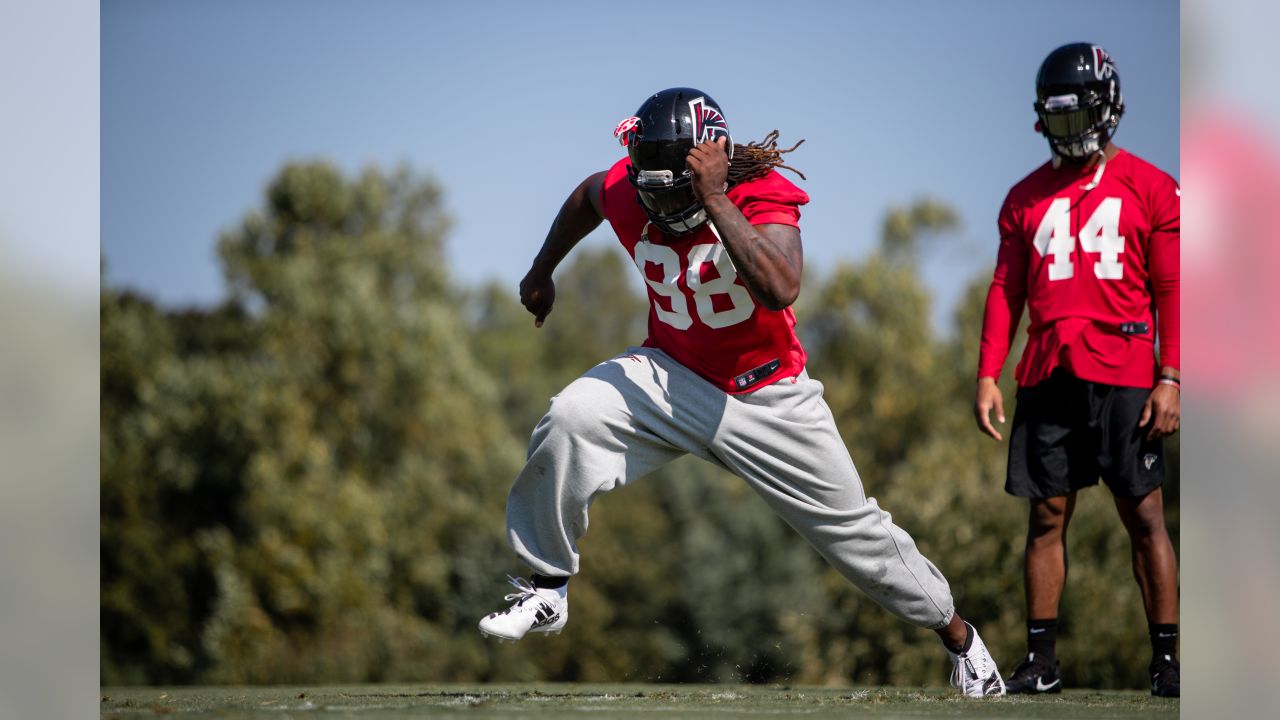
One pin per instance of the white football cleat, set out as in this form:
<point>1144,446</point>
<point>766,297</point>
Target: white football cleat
<point>974,672</point>
<point>535,610</point>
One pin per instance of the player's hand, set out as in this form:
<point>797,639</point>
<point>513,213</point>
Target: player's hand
<point>988,399</point>
<point>709,164</point>
<point>1163,411</point>
<point>537,294</point>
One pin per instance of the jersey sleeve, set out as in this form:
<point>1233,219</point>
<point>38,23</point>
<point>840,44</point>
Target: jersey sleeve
<point>613,185</point>
<point>771,200</point>
<point>1163,257</point>
<point>1006,297</point>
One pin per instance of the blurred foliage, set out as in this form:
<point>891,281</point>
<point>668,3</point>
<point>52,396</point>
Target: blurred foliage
<point>307,483</point>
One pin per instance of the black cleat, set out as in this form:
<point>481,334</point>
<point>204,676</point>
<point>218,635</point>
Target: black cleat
<point>1166,678</point>
<point>1034,677</point>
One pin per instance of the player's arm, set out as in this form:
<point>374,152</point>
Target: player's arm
<point>769,257</point>
<point>580,214</point>
<point>1005,301</point>
<point>1163,410</point>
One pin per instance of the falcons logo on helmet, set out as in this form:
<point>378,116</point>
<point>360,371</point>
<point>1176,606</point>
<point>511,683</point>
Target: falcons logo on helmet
<point>1103,67</point>
<point>708,123</point>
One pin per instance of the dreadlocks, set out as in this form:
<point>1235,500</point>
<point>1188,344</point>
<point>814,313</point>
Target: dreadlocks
<point>755,159</point>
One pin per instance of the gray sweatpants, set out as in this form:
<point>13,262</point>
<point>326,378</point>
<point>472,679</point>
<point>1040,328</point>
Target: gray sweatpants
<point>638,411</point>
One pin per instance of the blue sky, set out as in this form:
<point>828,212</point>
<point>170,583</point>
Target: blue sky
<point>510,104</point>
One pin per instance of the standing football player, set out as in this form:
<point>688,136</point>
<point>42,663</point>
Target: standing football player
<point>1089,242</point>
<point>712,228</point>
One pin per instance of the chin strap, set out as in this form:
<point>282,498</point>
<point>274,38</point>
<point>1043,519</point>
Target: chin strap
<point>1097,175</point>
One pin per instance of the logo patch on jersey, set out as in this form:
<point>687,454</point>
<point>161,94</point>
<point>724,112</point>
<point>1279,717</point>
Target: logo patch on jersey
<point>756,375</point>
<point>708,123</point>
<point>626,130</point>
<point>1148,460</point>
<point>1103,67</point>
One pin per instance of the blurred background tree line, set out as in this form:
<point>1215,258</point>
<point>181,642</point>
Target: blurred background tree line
<point>307,483</point>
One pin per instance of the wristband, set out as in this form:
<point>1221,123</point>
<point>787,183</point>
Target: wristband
<point>1170,381</point>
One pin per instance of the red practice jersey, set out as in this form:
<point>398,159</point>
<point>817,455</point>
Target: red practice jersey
<point>700,312</point>
<point>1096,268</point>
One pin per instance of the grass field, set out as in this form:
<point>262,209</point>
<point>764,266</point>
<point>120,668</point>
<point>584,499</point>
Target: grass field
<point>548,700</point>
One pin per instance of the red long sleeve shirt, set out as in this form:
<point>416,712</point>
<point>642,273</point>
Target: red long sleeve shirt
<point>1096,268</point>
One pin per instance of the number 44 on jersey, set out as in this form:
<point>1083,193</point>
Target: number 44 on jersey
<point>1100,235</point>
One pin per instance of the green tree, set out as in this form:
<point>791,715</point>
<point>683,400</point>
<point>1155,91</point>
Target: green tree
<point>327,482</point>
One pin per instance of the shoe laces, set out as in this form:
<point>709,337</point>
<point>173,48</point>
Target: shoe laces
<point>962,666</point>
<point>524,591</point>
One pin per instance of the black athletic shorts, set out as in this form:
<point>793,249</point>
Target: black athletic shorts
<point>1068,432</point>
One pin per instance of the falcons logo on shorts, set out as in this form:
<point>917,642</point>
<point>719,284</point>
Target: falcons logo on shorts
<point>708,123</point>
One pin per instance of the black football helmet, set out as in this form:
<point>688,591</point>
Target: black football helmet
<point>1078,100</point>
<point>658,138</point>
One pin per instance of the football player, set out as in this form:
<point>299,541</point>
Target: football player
<point>1088,242</point>
<point>714,231</point>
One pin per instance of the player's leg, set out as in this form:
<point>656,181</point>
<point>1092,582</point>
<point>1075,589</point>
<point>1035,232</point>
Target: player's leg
<point>1045,563</point>
<point>1049,458</point>
<point>1133,467</point>
<point>1155,566</point>
<point>610,426</point>
<point>1045,574</point>
<point>782,440</point>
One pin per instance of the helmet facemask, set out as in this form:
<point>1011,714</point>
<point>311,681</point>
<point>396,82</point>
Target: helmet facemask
<point>1078,123</point>
<point>668,199</point>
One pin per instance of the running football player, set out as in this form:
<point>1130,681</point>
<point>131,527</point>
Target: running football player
<point>713,230</point>
<point>1089,243</point>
